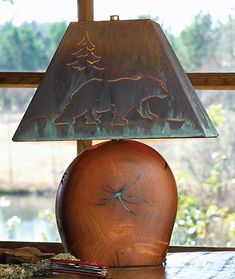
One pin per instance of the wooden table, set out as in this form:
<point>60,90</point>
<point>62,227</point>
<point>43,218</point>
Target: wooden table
<point>187,265</point>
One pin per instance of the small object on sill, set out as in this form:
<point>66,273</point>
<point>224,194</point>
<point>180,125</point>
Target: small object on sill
<point>79,268</point>
<point>65,256</point>
<point>23,255</point>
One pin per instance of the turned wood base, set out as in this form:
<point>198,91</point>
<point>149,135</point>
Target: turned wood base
<point>116,205</point>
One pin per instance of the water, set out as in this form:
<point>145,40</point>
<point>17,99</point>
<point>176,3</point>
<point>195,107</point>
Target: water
<point>28,218</point>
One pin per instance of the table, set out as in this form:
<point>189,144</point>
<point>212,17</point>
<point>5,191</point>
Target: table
<point>186,265</point>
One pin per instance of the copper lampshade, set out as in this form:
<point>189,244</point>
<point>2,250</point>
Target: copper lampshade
<point>112,80</point>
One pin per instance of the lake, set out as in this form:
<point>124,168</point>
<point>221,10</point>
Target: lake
<point>28,218</point>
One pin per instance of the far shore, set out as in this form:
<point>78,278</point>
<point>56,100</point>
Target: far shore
<point>25,192</point>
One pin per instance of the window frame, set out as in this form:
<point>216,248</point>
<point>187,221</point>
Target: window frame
<point>201,81</point>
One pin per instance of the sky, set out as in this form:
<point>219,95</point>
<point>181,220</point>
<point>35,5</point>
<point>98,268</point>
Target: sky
<point>174,15</point>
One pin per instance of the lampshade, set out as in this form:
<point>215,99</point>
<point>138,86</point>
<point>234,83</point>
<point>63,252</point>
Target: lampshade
<point>114,80</point>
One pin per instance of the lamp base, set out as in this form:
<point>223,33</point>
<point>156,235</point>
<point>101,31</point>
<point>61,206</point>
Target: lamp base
<point>116,205</point>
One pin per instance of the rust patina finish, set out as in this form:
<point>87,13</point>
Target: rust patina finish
<point>114,79</point>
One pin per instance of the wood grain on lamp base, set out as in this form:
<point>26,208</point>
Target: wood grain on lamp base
<point>116,205</point>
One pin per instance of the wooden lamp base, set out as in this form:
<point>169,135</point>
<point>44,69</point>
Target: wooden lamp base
<point>116,205</point>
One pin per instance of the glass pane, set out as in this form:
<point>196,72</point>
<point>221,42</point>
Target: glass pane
<point>203,38</point>
<point>29,175</point>
<point>204,171</point>
<point>30,32</point>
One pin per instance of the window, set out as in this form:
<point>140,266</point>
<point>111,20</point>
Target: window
<point>204,172</point>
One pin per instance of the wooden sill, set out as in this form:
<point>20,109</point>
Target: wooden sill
<point>57,248</point>
<point>201,81</point>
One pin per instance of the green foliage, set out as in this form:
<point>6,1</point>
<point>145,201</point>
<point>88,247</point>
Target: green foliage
<point>230,224</point>
<point>225,49</point>
<point>216,113</point>
<point>28,47</point>
<point>205,45</point>
<point>189,227</point>
<point>200,223</point>
<point>48,215</point>
<point>149,17</point>
<point>216,179</point>
<point>206,206</point>
<point>54,35</point>
<point>198,40</point>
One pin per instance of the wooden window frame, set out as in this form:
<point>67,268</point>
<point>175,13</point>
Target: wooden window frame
<point>200,81</point>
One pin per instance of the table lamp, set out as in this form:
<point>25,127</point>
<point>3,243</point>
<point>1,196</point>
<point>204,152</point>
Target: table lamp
<point>116,80</point>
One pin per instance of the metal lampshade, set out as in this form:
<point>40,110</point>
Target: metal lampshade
<point>114,80</point>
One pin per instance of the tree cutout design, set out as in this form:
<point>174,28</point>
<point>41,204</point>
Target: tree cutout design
<point>85,58</point>
<point>87,96</point>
